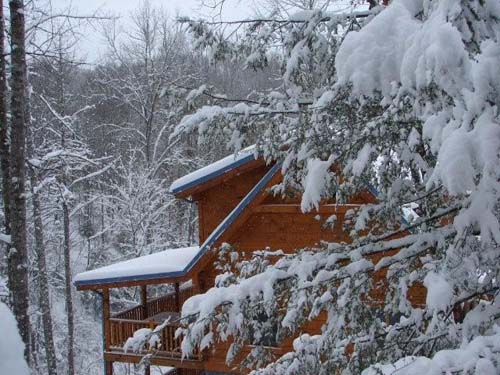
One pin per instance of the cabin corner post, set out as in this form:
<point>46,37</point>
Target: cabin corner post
<point>195,281</point>
<point>106,316</point>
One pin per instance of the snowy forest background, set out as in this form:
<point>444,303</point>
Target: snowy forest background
<point>99,161</point>
<point>404,97</point>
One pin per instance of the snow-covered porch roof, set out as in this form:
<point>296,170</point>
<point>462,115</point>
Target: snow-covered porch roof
<point>166,264</point>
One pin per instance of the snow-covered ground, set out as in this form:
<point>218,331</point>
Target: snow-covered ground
<point>11,346</point>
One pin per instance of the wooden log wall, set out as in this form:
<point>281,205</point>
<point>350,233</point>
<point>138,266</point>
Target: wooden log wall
<point>216,203</point>
<point>279,224</point>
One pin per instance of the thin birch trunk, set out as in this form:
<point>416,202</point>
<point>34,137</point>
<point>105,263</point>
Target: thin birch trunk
<point>66,223</point>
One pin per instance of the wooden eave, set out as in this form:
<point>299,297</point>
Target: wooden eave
<point>217,180</point>
<point>133,283</point>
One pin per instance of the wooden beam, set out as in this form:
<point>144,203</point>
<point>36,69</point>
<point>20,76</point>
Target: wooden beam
<point>108,367</point>
<point>144,300</point>
<point>296,209</point>
<point>126,284</point>
<point>106,315</point>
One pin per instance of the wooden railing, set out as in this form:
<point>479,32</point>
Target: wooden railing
<point>135,313</point>
<point>167,345</point>
<point>122,329</point>
<point>157,305</point>
<point>123,325</point>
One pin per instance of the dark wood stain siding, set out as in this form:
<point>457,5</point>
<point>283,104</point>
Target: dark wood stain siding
<point>276,224</point>
<point>217,202</point>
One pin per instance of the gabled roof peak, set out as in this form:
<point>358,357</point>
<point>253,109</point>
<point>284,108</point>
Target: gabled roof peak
<point>183,185</point>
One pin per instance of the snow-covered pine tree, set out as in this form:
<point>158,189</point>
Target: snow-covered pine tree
<point>408,104</point>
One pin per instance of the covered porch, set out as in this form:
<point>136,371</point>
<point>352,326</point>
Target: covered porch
<point>145,273</point>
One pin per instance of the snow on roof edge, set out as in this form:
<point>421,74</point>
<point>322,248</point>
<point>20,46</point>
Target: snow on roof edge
<point>122,271</point>
<point>213,170</point>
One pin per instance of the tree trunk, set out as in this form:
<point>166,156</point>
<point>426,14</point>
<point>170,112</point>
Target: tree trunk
<point>42,277</point>
<point>18,255</point>
<point>65,211</point>
<point>43,283</point>
<point>4,140</point>
<point>69,297</point>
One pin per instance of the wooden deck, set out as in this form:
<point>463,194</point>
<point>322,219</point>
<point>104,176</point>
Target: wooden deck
<point>166,350</point>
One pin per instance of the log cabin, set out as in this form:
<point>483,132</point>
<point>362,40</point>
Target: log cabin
<point>235,206</point>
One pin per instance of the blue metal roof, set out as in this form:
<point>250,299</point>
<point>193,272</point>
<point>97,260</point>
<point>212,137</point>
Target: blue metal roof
<point>209,242</point>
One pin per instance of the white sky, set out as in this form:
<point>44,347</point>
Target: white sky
<point>124,7</point>
<point>92,46</point>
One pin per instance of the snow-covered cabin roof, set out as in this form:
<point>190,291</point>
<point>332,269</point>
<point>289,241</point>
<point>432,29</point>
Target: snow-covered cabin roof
<point>167,263</point>
<point>211,171</point>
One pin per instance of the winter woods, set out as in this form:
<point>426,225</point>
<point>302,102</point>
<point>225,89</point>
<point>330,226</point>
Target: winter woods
<point>86,164</point>
<point>400,99</point>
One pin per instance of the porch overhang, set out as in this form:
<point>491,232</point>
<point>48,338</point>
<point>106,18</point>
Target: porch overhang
<point>166,266</point>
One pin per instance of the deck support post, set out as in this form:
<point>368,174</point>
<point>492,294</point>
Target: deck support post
<point>144,300</point>
<point>177,298</point>
<point>106,315</point>
<point>108,368</point>
<point>147,370</point>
